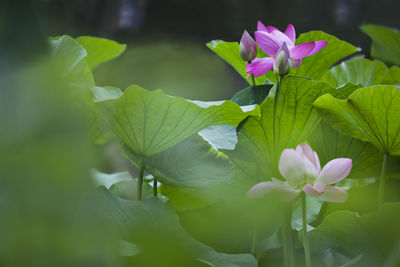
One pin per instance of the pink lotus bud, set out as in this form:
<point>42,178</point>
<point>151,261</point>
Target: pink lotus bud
<point>247,47</point>
<point>282,64</point>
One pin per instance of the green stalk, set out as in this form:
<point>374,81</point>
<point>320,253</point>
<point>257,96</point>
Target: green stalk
<point>285,246</point>
<point>252,77</point>
<point>275,119</point>
<point>288,228</point>
<point>155,187</point>
<point>254,240</point>
<point>140,181</point>
<point>287,241</point>
<point>381,190</point>
<point>305,234</point>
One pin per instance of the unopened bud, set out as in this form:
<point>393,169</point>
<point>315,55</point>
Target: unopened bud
<point>282,64</point>
<point>247,47</point>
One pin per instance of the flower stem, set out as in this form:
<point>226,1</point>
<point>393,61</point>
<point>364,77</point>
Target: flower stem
<point>305,234</point>
<point>253,79</point>
<point>140,181</point>
<point>254,240</point>
<point>155,187</point>
<point>287,237</point>
<point>381,190</point>
<point>275,118</point>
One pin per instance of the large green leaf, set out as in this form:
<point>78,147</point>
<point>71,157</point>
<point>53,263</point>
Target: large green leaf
<point>330,144</point>
<point>385,42</point>
<point>150,226</point>
<point>192,162</point>
<point>359,71</point>
<point>392,76</point>
<point>149,122</point>
<point>374,235</point>
<point>100,50</point>
<point>370,114</point>
<point>315,66</point>
<point>257,152</point>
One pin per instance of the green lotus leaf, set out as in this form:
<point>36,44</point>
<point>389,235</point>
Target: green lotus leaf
<point>370,114</point>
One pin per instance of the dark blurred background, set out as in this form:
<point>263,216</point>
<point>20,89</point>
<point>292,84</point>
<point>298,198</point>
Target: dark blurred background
<point>166,38</point>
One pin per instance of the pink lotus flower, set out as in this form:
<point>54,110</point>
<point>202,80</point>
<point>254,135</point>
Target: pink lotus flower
<point>302,171</point>
<point>270,40</point>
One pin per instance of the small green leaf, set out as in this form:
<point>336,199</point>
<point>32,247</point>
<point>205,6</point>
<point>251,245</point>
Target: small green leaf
<point>385,42</point>
<point>105,93</point>
<point>127,190</point>
<point>370,114</point>
<point>220,136</point>
<point>100,50</point>
<point>252,95</point>
<point>107,180</point>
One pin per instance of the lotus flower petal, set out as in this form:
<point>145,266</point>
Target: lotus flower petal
<point>295,62</point>
<point>302,50</point>
<point>292,168</point>
<point>315,190</point>
<point>260,66</point>
<point>334,194</point>
<point>261,26</point>
<point>282,38</point>
<point>270,29</point>
<point>311,155</point>
<point>335,171</point>
<point>318,46</point>
<point>285,191</point>
<point>291,33</point>
<point>267,42</point>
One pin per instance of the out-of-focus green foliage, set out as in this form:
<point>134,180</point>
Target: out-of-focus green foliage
<point>161,240</point>
<point>385,42</point>
<point>57,211</point>
<point>374,235</point>
<point>50,211</point>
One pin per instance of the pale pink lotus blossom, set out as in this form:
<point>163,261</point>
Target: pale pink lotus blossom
<point>247,47</point>
<point>270,40</point>
<point>302,171</point>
